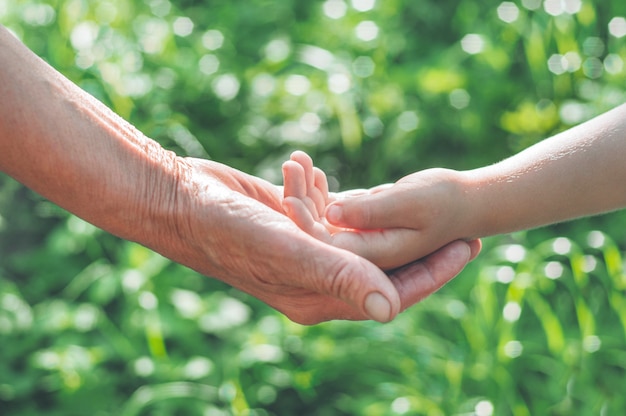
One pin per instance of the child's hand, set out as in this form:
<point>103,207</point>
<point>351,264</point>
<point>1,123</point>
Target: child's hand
<point>408,220</point>
<point>306,196</point>
<point>390,225</point>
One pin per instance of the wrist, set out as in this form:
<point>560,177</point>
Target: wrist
<point>156,217</point>
<point>474,204</point>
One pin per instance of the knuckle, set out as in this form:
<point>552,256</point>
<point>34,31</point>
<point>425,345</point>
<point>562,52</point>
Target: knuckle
<point>341,282</point>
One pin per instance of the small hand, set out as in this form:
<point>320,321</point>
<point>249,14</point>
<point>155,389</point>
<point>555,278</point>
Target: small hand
<point>410,219</point>
<point>306,196</point>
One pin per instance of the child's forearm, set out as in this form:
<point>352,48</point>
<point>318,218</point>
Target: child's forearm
<point>579,172</point>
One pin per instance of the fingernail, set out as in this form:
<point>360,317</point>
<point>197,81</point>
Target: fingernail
<point>333,213</point>
<point>378,307</point>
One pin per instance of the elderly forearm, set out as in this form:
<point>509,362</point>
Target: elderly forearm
<point>70,148</point>
<point>579,172</point>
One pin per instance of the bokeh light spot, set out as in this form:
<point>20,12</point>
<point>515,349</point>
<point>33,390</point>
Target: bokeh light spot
<point>277,50</point>
<point>513,349</point>
<point>483,408</point>
<point>363,5</point>
<point>562,245</point>
<point>335,9</point>
<point>553,270</point>
<point>592,343</point>
<point>310,122</point>
<point>339,83</point>
<point>366,30</point>
<point>401,405</point>
<point>212,39</point>
<point>531,4</point>
<point>596,239</point>
<point>473,43</point>
<point>512,311</point>
<point>363,66</point>
<point>573,112</point>
<point>593,68</point>
<point>263,84</point>
<point>559,7</point>
<point>316,57</point>
<point>515,253</point>
<point>459,98</point>
<point>198,367</point>
<point>226,87</point>
<point>84,35</point>
<point>590,264</point>
<point>38,14</point>
<point>147,300</point>
<point>593,46</point>
<point>209,64</point>
<point>508,12</point>
<point>408,121</point>
<point>617,27</point>
<point>297,84</point>
<point>613,64</point>
<point>183,26</point>
<point>505,274</point>
<point>373,127</point>
<point>143,366</point>
<point>557,64</point>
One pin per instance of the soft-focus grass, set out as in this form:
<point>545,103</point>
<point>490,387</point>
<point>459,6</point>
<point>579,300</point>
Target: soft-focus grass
<point>91,325</point>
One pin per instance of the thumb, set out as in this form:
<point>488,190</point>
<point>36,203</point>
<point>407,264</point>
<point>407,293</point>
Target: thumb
<point>370,211</point>
<point>355,281</point>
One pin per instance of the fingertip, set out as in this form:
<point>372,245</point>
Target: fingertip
<point>297,153</point>
<point>475,248</point>
<point>302,158</point>
<point>333,213</point>
<point>461,250</point>
<point>378,307</point>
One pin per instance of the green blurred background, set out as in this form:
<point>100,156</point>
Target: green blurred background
<point>373,90</point>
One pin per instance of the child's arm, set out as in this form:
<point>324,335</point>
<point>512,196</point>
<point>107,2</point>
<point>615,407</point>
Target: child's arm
<point>579,172</point>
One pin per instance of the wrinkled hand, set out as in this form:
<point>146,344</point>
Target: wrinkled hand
<point>233,229</point>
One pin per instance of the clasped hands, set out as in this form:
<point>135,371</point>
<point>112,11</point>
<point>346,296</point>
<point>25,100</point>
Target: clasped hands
<point>302,265</point>
<point>248,234</point>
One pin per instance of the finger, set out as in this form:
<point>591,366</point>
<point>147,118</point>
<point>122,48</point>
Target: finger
<point>320,196</point>
<point>355,281</point>
<point>333,283</point>
<point>383,209</point>
<point>294,180</point>
<point>387,248</point>
<point>302,216</point>
<point>307,164</point>
<point>475,247</point>
<point>422,278</point>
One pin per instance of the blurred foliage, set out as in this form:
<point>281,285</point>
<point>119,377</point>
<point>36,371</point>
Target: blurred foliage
<point>92,325</point>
